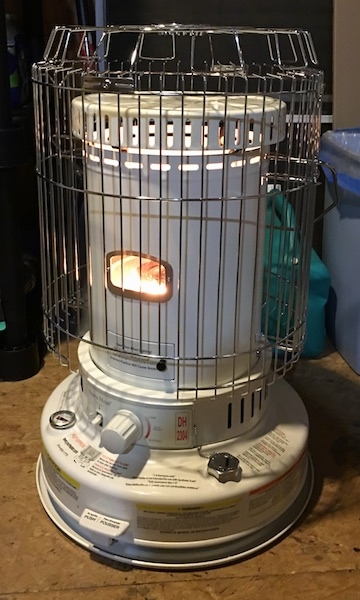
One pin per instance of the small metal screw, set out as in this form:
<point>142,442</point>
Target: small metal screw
<point>224,466</point>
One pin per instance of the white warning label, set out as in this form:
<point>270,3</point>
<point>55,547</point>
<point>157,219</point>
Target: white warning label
<point>267,452</point>
<point>171,523</point>
<point>280,491</point>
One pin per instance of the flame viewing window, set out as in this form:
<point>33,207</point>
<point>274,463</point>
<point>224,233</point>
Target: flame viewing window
<point>139,276</point>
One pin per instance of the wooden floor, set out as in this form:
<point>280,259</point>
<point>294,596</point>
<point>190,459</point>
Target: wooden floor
<point>319,559</point>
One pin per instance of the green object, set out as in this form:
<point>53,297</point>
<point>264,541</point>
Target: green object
<point>282,247</point>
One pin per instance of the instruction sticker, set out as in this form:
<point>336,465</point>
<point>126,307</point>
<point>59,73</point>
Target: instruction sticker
<point>164,480</point>
<point>94,460</point>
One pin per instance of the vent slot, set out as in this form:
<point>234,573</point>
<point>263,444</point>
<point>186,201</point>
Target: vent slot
<point>187,134</point>
<point>229,415</point>
<point>151,133</point>
<point>242,410</point>
<point>237,132</point>
<point>170,134</point>
<point>135,132</point>
<point>107,129</point>
<point>205,134</point>
<point>251,131</point>
<point>221,133</point>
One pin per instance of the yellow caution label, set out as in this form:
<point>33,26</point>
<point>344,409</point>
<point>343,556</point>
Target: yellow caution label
<point>59,471</point>
<point>171,508</point>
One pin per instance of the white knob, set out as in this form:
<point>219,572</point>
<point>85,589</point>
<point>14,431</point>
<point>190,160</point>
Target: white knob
<point>123,430</point>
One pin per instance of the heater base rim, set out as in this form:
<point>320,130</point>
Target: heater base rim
<point>200,557</point>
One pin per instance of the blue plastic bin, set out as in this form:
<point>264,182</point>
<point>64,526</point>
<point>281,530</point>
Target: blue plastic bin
<point>341,242</point>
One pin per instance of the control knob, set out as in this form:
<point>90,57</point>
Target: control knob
<point>122,431</point>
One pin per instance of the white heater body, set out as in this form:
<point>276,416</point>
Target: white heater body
<point>167,188</point>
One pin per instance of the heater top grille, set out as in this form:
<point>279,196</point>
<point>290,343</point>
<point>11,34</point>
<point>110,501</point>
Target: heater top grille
<point>182,57</point>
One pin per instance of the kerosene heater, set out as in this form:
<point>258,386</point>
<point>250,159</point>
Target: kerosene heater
<point>177,167</point>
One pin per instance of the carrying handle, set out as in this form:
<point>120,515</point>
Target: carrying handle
<point>336,189</point>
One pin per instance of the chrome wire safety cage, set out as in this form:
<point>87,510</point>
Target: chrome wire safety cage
<point>177,168</point>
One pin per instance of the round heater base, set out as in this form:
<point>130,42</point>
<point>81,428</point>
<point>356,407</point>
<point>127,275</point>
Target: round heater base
<point>178,559</point>
<point>155,522</point>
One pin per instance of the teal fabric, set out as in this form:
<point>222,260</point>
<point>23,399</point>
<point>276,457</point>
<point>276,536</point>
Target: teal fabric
<point>2,318</point>
<point>280,251</point>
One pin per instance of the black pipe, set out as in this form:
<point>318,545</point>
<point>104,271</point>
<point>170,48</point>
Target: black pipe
<point>19,355</point>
